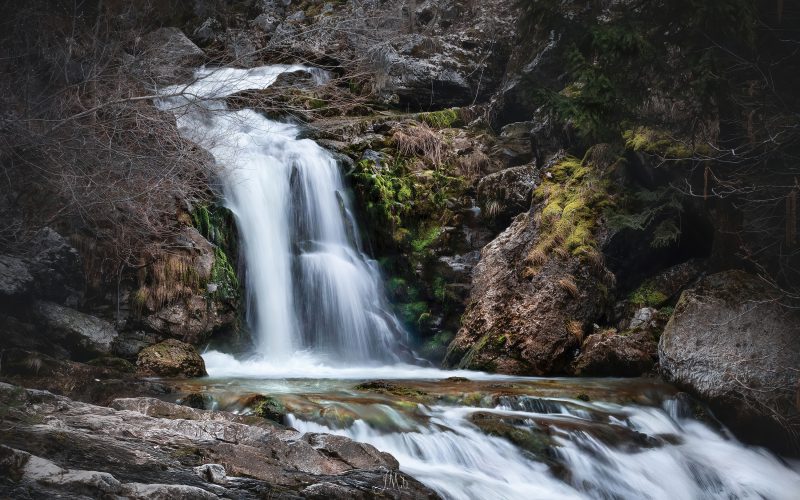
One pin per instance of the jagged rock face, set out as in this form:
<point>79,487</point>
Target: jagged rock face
<point>507,193</point>
<point>730,342</point>
<point>195,313</point>
<point>180,453</point>
<point>540,50</point>
<point>171,358</point>
<point>521,325</point>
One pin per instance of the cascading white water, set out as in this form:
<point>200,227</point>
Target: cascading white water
<point>316,302</point>
<point>309,287</point>
<point>685,460</point>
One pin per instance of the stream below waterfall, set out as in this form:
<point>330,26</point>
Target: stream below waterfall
<point>324,334</point>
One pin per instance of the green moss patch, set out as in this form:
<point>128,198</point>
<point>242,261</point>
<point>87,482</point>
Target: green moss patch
<point>574,195</point>
<point>446,118</point>
<point>660,143</point>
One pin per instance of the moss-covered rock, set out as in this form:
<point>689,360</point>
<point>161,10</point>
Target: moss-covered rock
<point>171,358</point>
<point>542,282</point>
<point>267,407</point>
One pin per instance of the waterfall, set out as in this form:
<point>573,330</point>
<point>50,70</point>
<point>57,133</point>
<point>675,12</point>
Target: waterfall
<point>316,306</point>
<point>309,286</point>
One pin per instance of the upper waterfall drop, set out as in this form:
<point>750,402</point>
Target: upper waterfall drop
<point>309,286</point>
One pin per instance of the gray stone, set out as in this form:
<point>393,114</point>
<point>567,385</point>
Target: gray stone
<point>297,16</point>
<point>507,193</point>
<point>147,448</point>
<point>82,335</point>
<point>208,31</point>
<point>15,280</point>
<point>731,342</point>
<point>168,56</point>
<point>56,268</point>
<point>642,318</point>
<point>213,473</point>
<point>266,23</point>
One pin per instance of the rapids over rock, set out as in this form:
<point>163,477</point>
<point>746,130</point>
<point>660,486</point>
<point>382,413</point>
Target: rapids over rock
<point>324,333</point>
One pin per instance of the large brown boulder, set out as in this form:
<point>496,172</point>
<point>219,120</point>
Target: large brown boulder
<point>171,358</point>
<point>732,343</point>
<point>192,312</point>
<point>521,324</point>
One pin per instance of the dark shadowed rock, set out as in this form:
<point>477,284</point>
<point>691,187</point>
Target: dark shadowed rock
<point>168,56</point>
<point>730,342</point>
<point>82,335</point>
<point>171,358</point>
<point>56,267</point>
<point>15,280</point>
<point>99,381</point>
<point>612,354</point>
<point>507,193</point>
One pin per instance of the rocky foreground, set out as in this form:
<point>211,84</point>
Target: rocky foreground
<point>146,448</point>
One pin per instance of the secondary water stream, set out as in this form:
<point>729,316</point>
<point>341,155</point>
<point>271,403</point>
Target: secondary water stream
<point>320,319</point>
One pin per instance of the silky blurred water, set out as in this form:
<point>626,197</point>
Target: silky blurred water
<point>321,322</point>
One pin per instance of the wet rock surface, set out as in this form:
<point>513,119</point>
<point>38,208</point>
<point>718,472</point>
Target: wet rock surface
<point>184,453</point>
<point>731,342</point>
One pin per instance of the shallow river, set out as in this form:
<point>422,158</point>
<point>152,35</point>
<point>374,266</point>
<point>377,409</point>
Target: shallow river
<point>475,435</point>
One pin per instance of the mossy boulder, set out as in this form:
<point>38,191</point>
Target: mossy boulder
<point>171,358</point>
<point>541,282</point>
<point>266,407</point>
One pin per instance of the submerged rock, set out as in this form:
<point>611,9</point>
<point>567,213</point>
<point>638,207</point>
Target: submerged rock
<point>171,358</point>
<point>731,342</point>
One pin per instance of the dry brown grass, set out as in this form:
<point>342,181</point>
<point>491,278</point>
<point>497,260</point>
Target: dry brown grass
<point>493,208</point>
<point>595,259</point>
<point>567,283</point>
<point>537,256</point>
<point>473,164</point>
<point>575,328</point>
<point>420,140</point>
